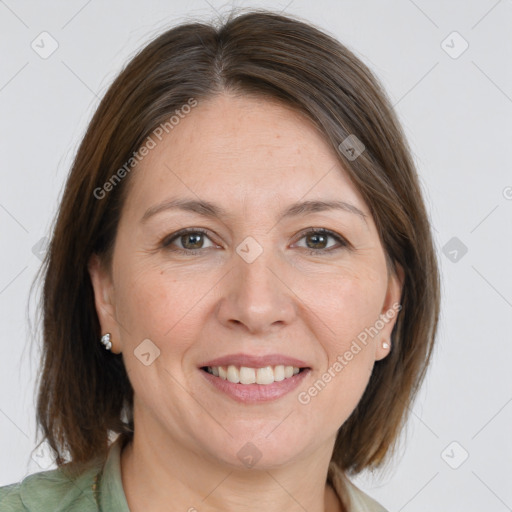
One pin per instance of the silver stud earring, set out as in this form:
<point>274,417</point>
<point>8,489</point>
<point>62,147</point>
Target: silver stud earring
<point>385,345</point>
<point>105,339</point>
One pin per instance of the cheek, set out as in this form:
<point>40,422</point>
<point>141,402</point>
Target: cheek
<point>351,306</point>
<point>156,305</point>
<point>345,302</point>
<point>356,311</point>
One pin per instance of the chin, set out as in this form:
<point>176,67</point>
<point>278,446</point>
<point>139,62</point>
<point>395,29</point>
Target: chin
<point>259,452</point>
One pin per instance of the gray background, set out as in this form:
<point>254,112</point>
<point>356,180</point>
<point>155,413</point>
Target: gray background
<point>456,109</point>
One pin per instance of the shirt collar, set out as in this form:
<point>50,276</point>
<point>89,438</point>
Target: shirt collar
<point>112,496</point>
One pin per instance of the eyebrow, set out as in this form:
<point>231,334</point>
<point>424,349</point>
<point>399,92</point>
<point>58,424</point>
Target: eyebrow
<point>209,209</point>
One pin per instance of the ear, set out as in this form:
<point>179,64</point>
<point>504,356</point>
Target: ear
<point>104,300</point>
<point>389,312</point>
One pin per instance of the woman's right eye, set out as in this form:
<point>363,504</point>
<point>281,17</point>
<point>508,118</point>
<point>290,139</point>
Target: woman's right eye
<point>187,241</point>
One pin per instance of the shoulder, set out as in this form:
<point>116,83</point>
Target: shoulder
<point>10,500</point>
<point>51,490</point>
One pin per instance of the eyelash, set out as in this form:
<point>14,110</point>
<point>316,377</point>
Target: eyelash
<point>167,241</point>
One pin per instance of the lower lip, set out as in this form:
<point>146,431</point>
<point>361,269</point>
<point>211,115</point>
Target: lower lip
<point>254,393</point>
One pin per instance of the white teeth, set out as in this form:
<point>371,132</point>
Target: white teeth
<point>279,373</point>
<point>233,375</point>
<point>265,375</point>
<point>246,375</point>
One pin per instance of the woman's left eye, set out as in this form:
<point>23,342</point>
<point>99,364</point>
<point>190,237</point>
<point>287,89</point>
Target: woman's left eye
<point>317,240</point>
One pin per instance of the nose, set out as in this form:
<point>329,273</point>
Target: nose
<point>256,296</point>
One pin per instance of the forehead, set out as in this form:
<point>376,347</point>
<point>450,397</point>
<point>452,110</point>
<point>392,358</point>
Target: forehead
<point>244,147</point>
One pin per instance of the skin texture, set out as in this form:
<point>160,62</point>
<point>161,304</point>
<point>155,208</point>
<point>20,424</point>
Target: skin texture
<point>253,157</point>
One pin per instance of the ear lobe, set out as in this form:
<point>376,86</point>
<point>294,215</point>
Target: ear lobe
<point>103,297</point>
<point>389,313</point>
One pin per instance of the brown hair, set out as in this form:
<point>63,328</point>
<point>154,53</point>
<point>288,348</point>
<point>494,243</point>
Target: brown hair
<point>84,391</point>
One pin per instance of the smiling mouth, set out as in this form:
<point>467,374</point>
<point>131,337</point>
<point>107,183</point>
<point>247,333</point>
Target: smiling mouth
<point>246,375</point>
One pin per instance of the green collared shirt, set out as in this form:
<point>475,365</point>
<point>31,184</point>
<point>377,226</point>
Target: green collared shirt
<point>100,489</point>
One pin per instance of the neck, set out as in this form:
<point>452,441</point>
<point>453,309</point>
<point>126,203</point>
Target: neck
<point>175,477</point>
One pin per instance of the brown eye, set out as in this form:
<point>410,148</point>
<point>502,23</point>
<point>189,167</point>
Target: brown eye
<point>188,241</point>
<point>192,240</point>
<point>322,241</point>
<point>316,241</point>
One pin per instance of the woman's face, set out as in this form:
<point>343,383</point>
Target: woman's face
<point>271,274</point>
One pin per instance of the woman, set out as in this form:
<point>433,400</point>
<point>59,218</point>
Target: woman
<point>241,292</point>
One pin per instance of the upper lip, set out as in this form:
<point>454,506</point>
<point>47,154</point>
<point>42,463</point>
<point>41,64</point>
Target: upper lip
<point>251,361</point>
